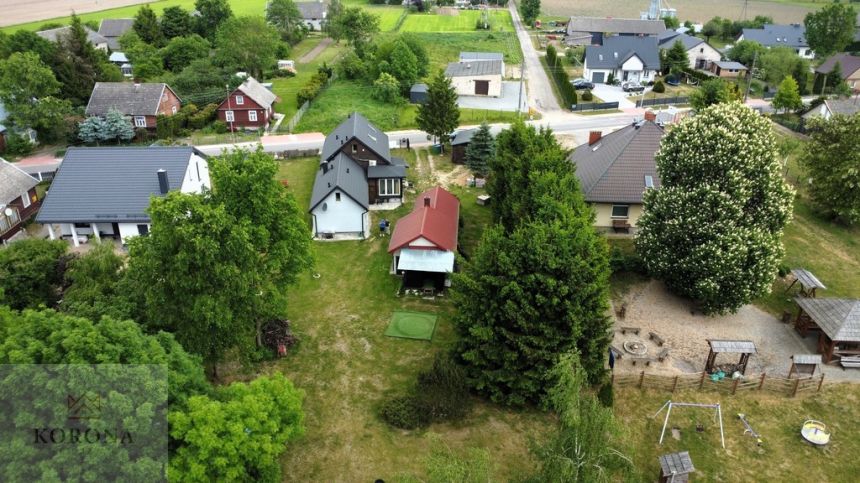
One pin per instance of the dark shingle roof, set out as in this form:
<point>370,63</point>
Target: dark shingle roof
<point>311,10</point>
<point>418,88</point>
<point>463,136</point>
<point>838,318</point>
<point>14,182</point>
<point>613,170</point>
<point>53,34</point>
<point>115,27</point>
<point>111,184</point>
<point>616,50</point>
<point>848,63</point>
<point>688,41</point>
<point>129,99</point>
<point>615,25</point>
<point>474,67</point>
<point>778,35</point>
<point>846,107</point>
<point>344,174</point>
<point>356,126</point>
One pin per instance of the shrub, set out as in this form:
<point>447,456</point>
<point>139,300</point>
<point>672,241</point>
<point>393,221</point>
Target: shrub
<point>325,69</point>
<point>351,66</point>
<point>312,89</point>
<point>481,25</point>
<point>782,270</point>
<point>386,88</point>
<point>621,261</point>
<point>402,412</point>
<point>611,79</point>
<point>659,87</point>
<point>606,395</point>
<point>219,127</point>
<point>443,392</point>
<point>202,117</point>
<point>17,145</point>
<point>587,96</point>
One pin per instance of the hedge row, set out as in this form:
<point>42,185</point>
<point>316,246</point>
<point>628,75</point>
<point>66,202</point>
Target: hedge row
<point>313,88</point>
<point>189,117</point>
<point>562,80</point>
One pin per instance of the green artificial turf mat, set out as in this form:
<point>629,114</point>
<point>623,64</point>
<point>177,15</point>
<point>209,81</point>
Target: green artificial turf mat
<point>411,325</point>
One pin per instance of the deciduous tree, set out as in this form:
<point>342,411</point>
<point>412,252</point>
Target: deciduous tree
<point>247,43</point>
<point>439,115</point>
<point>832,160</point>
<point>529,9</point>
<point>404,66</point>
<point>745,51</point>
<point>181,51</point>
<point>481,151</point>
<point>830,29</point>
<point>284,15</point>
<point>787,96</point>
<point>713,231</point>
<point>386,88</point>
<point>213,13</point>
<point>357,26</point>
<point>94,288</point>
<point>147,27</point>
<point>31,273</point>
<point>176,22</point>
<point>714,91</point>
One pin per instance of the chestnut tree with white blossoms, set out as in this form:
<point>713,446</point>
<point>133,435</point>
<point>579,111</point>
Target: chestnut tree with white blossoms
<point>713,230</point>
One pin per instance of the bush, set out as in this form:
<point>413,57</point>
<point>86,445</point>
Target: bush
<point>659,87</point>
<point>325,69</point>
<point>386,88</point>
<point>351,66</point>
<point>220,127</point>
<point>606,395</point>
<point>621,261</point>
<point>202,117</point>
<point>402,412</point>
<point>443,392</point>
<point>782,270</point>
<point>611,79</point>
<point>480,25</point>
<point>587,96</point>
<point>17,145</point>
<point>312,89</point>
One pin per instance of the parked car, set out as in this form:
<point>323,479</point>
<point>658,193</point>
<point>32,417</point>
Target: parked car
<point>582,84</point>
<point>632,86</point>
<point>672,80</point>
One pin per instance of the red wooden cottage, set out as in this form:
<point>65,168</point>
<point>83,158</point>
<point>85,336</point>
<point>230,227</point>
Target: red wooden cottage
<point>141,103</point>
<point>250,106</point>
<point>424,242</point>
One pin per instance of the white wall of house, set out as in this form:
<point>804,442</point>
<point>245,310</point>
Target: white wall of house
<point>422,243</point>
<point>196,176</point>
<point>126,230</point>
<point>130,230</point>
<point>641,75</point>
<point>344,217</point>
<point>465,85</point>
<point>314,25</point>
<point>703,52</point>
<point>604,218</point>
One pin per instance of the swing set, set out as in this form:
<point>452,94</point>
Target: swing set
<point>718,414</point>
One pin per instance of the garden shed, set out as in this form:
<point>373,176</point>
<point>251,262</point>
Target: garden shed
<point>676,467</point>
<point>743,347</point>
<point>838,321</point>
<point>804,364</point>
<point>418,94</point>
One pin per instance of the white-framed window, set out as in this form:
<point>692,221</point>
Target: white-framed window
<point>389,187</point>
<point>337,196</point>
<point>240,100</point>
<point>620,211</point>
<point>174,109</point>
<point>139,121</point>
<point>252,116</point>
<point>25,198</point>
<point>229,116</point>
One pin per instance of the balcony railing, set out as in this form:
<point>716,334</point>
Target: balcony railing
<point>11,223</point>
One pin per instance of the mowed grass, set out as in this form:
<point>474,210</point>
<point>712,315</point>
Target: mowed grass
<point>445,48</point>
<point>500,21</point>
<point>782,11</point>
<point>287,87</point>
<point>346,366</point>
<point>784,456</point>
<point>388,16</point>
<point>343,97</point>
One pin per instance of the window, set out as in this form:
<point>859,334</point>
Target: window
<point>142,229</point>
<point>229,116</point>
<point>174,109</point>
<point>337,196</point>
<point>240,100</point>
<point>139,121</point>
<point>252,116</point>
<point>702,50</point>
<point>82,225</point>
<point>26,199</point>
<point>649,181</point>
<point>197,165</point>
<point>620,211</point>
<point>354,148</point>
<point>389,187</point>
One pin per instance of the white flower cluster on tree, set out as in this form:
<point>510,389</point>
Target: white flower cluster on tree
<point>713,230</point>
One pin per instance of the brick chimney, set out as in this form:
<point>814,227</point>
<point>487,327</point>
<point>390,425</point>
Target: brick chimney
<point>594,136</point>
<point>650,116</point>
<point>426,201</point>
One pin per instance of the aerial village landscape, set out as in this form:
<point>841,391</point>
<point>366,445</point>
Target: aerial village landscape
<point>430,241</point>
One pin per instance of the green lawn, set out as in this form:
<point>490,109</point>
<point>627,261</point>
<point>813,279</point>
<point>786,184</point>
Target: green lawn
<point>343,97</point>
<point>346,366</point>
<point>286,87</point>
<point>445,48</point>
<point>500,21</point>
<point>784,456</point>
<point>388,16</point>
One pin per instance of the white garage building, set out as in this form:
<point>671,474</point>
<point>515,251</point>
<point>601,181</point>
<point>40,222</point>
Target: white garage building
<point>477,77</point>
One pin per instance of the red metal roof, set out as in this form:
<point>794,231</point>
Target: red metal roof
<point>436,219</point>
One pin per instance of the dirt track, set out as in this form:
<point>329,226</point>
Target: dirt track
<point>23,11</point>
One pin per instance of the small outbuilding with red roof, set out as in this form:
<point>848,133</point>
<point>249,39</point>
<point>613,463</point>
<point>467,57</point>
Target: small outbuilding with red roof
<point>424,241</point>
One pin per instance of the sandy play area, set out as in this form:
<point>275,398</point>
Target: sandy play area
<point>22,11</point>
<point>651,307</point>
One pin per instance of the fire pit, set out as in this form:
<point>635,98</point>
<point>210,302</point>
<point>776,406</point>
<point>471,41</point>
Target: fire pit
<point>635,347</point>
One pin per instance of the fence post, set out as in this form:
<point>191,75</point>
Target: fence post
<point>820,383</point>
<point>641,378</point>
<point>675,384</point>
<point>794,391</point>
<point>702,381</point>
<point>761,383</point>
<point>735,386</point>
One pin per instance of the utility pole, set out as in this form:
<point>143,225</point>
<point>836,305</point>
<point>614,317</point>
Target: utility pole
<point>522,79</point>
<point>749,81</point>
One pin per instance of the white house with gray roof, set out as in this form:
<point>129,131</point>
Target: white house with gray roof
<point>105,192</point>
<point>625,58</point>
<point>700,53</point>
<point>313,14</point>
<point>792,36</point>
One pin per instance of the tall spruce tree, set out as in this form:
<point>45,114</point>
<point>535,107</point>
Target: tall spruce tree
<point>147,27</point>
<point>77,64</point>
<point>176,22</point>
<point>537,288</point>
<point>439,116</point>
<point>676,59</point>
<point>480,151</point>
<point>713,231</point>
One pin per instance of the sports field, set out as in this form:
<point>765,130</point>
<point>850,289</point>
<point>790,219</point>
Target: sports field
<point>465,21</point>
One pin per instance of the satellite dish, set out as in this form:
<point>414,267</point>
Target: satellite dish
<point>8,211</point>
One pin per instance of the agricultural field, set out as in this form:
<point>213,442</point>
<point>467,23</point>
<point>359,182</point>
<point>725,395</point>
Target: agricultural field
<point>782,11</point>
<point>464,21</point>
<point>346,366</point>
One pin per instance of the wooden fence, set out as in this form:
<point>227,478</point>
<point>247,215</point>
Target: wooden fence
<point>701,381</point>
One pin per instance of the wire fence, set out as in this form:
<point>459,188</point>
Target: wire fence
<point>662,101</point>
<point>701,381</point>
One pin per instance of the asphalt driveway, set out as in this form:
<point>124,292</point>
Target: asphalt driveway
<point>614,94</point>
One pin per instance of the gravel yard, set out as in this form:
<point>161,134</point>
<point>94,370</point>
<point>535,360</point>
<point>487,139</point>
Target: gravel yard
<point>652,308</point>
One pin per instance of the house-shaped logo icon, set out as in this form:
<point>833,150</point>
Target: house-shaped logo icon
<point>86,406</point>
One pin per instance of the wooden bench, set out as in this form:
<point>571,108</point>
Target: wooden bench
<point>620,226</point>
<point>663,354</point>
<point>635,330</point>
<point>656,338</point>
<point>647,360</point>
<point>850,361</point>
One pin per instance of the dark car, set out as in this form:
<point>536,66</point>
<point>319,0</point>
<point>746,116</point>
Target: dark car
<point>582,84</point>
<point>632,86</point>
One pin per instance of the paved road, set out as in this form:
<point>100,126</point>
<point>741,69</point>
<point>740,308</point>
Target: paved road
<point>539,90</point>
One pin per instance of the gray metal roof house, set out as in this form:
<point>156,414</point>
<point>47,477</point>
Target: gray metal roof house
<point>593,30</point>
<point>114,28</point>
<point>473,68</point>
<point>106,191</point>
<point>53,35</point>
<point>792,36</point>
